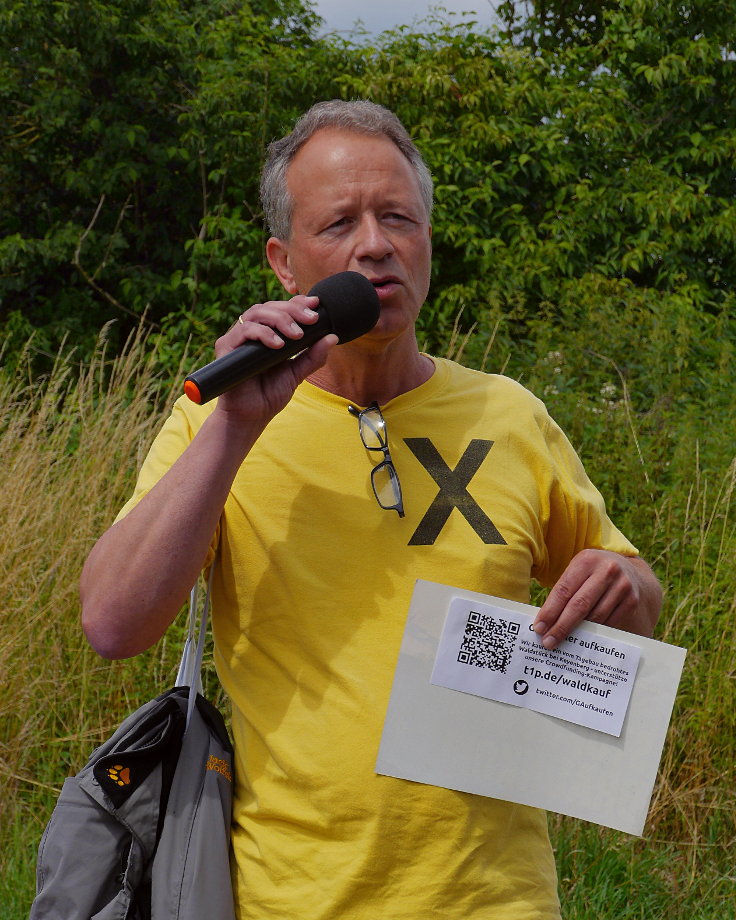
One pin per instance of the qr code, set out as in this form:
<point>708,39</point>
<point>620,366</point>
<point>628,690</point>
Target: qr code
<point>488,642</point>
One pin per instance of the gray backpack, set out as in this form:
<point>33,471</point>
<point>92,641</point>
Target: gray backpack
<point>142,832</point>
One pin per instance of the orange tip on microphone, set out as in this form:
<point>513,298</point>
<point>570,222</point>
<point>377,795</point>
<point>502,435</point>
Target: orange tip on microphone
<point>192,391</point>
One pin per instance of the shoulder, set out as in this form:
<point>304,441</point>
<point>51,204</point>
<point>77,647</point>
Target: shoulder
<point>495,389</point>
<point>187,416</point>
<point>177,431</point>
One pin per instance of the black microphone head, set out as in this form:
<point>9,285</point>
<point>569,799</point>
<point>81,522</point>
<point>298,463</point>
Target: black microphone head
<point>351,303</point>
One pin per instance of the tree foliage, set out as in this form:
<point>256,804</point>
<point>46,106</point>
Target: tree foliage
<point>553,23</point>
<point>132,133</point>
<point>614,158</point>
<point>135,130</point>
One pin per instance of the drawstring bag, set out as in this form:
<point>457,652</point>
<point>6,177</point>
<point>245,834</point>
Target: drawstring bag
<point>142,832</point>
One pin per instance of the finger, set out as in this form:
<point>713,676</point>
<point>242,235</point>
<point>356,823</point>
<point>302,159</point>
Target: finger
<point>606,595</point>
<point>271,324</point>
<point>579,591</point>
<point>313,358</point>
<point>285,316</point>
<point>561,614</point>
<point>246,331</point>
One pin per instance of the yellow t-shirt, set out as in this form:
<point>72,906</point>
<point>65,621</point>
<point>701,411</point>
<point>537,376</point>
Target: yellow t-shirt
<point>310,597</point>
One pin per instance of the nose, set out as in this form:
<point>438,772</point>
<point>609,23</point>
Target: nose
<point>373,241</point>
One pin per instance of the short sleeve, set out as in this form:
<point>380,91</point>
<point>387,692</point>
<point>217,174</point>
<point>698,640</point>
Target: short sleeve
<point>575,516</point>
<point>176,434</point>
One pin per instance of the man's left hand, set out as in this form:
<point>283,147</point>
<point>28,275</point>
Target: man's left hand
<point>604,587</point>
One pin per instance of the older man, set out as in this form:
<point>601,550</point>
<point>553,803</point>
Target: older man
<point>316,560</point>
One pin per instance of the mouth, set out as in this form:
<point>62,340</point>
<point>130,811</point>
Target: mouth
<point>385,287</point>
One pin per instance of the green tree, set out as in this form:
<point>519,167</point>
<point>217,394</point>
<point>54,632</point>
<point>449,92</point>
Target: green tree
<point>120,165</point>
<point>136,130</point>
<point>612,159</point>
<point>552,23</point>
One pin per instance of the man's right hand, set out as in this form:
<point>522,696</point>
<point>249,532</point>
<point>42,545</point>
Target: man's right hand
<point>260,398</point>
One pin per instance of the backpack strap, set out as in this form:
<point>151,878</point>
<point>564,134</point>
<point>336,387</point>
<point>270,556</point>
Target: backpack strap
<point>190,667</point>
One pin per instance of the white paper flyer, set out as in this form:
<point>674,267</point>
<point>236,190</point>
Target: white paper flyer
<point>476,734</point>
<point>489,651</point>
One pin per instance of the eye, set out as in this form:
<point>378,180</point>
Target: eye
<point>337,224</point>
<point>398,219</point>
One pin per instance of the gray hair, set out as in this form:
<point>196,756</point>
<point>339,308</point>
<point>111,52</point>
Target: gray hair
<point>360,116</point>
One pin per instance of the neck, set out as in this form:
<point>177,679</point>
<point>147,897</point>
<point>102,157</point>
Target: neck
<point>364,375</point>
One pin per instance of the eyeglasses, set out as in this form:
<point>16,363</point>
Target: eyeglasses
<point>384,478</point>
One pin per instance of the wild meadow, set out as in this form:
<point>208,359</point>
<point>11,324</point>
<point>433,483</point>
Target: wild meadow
<point>69,447</point>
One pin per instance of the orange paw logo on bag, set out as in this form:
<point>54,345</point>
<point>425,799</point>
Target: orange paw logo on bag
<point>119,774</point>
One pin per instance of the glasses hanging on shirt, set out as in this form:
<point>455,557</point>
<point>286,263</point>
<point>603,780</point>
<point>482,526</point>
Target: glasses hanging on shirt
<point>384,478</point>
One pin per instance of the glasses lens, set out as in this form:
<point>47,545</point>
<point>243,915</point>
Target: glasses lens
<point>373,429</point>
<point>386,485</point>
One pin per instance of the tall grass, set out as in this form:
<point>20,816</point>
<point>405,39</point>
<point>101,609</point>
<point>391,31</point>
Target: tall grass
<point>69,448</point>
<point>69,445</point>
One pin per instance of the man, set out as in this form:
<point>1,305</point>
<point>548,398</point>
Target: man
<point>313,575</point>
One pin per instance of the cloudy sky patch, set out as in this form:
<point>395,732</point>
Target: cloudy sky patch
<point>379,15</point>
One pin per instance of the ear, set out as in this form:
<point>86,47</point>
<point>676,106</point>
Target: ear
<point>277,253</point>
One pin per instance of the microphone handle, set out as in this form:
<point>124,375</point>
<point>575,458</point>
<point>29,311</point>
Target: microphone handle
<point>249,360</point>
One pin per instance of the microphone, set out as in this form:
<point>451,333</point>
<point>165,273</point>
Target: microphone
<point>348,306</point>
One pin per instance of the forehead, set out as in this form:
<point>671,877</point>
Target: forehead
<point>335,160</point>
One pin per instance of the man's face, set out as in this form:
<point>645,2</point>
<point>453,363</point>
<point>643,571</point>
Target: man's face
<point>358,207</point>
